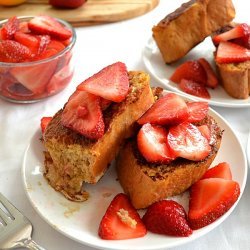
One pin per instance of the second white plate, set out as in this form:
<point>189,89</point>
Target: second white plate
<point>154,63</point>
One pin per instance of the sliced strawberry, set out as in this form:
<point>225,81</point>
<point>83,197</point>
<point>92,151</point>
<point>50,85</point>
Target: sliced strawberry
<point>205,131</point>
<point>46,54</point>
<point>9,28</point>
<point>242,41</point>
<point>153,145</point>
<point>44,122</point>
<point>194,88</point>
<point>59,80</point>
<point>83,114</point>
<point>197,111</point>
<point>57,45</point>
<point>13,52</point>
<point>27,40</point>
<point>240,30</point>
<point>46,25</point>
<point>104,103</point>
<point>169,109</point>
<point>111,83</point>
<point>212,80</point>
<point>210,199</point>
<point>167,217</point>
<point>228,52</point>
<point>222,170</point>
<point>43,43</point>
<point>191,70</point>
<point>23,27</point>
<point>35,77</point>
<point>186,141</point>
<point>121,221</point>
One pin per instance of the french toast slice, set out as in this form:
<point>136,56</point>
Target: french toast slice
<point>71,159</point>
<point>180,31</point>
<point>146,183</point>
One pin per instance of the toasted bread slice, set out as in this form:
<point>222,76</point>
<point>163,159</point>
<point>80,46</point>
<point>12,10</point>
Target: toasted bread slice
<point>190,24</point>
<point>71,159</point>
<point>146,183</point>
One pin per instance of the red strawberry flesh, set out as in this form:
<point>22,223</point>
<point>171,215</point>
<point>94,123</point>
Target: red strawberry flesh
<point>194,88</point>
<point>222,170</point>
<point>91,125</point>
<point>229,52</point>
<point>44,122</point>
<point>167,217</point>
<point>197,111</point>
<point>9,28</point>
<point>153,145</point>
<point>121,221</point>
<point>186,141</point>
<point>169,109</point>
<point>210,199</point>
<point>111,83</point>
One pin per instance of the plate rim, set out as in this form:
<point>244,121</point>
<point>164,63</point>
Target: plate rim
<point>146,50</point>
<point>184,240</point>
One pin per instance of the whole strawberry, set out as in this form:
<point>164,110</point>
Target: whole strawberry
<point>167,217</point>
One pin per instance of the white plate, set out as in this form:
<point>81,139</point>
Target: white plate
<point>156,66</point>
<point>80,221</point>
<point>248,149</point>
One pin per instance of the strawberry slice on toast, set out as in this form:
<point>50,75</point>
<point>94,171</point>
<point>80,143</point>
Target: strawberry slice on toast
<point>83,114</point>
<point>153,145</point>
<point>111,83</point>
<point>209,199</point>
<point>186,141</point>
<point>197,111</point>
<point>121,221</point>
<point>44,122</point>
<point>169,109</point>
<point>229,52</point>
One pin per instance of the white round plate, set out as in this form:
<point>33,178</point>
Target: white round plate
<point>80,221</point>
<point>248,149</point>
<point>154,63</point>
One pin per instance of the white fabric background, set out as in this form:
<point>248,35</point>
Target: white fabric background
<point>96,47</point>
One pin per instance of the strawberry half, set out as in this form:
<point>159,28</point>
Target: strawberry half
<point>197,111</point>
<point>210,199</point>
<point>240,30</point>
<point>205,131</point>
<point>191,70</point>
<point>194,88</point>
<point>169,109</point>
<point>222,170</point>
<point>111,83</point>
<point>13,52</point>
<point>228,52</point>
<point>9,28</point>
<point>153,145</point>
<point>44,122</point>
<point>186,141</point>
<point>121,221</point>
<point>46,25</point>
<point>212,80</point>
<point>83,114</point>
<point>167,217</point>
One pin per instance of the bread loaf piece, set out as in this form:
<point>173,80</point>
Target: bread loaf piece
<point>146,183</point>
<point>190,24</point>
<point>71,159</point>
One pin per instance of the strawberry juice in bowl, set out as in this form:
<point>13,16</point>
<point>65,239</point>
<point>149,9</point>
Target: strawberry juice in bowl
<point>35,57</point>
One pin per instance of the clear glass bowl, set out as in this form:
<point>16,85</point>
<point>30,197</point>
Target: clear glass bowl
<point>46,77</point>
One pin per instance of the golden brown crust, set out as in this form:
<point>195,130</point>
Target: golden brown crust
<point>235,78</point>
<point>76,159</point>
<point>147,183</point>
<point>182,30</point>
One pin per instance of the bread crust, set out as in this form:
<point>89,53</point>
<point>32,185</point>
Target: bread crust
<point>72,159</point>
<point>147,183</point>
<point>235,78</point>
<point>183,29</point>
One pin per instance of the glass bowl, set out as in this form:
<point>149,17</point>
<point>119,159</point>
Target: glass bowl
<point>32,81</point>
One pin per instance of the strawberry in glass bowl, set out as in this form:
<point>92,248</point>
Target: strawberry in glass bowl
<point>35,57</point>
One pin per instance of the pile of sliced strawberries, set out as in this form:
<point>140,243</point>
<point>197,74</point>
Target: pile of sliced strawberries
<point>233,45</point>
<point>26,41</point>
<point>168,131</point>
<point>210,198</point>
<point>83,112</point>
<point>194,77</point>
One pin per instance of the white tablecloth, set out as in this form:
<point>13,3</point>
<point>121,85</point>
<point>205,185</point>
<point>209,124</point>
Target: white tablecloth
<point>96,47</point>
